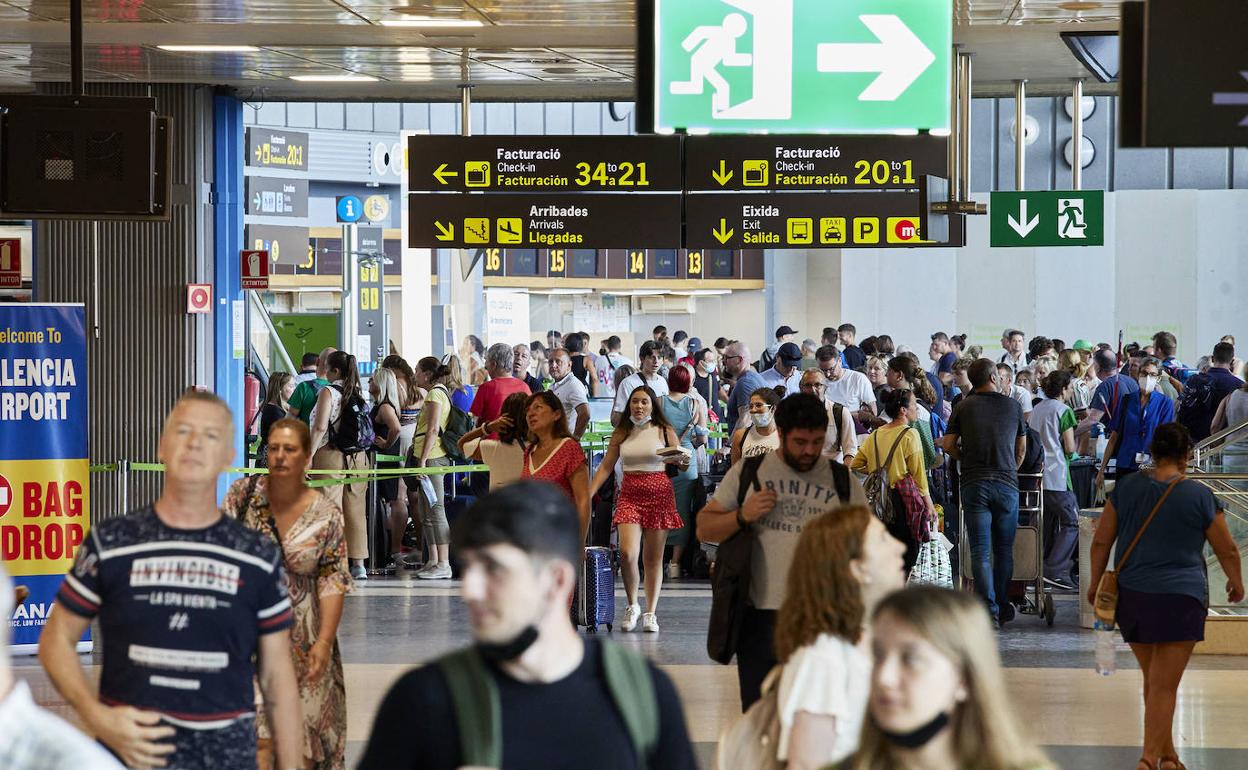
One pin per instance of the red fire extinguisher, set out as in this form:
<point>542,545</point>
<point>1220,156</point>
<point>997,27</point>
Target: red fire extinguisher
<point>251,399</point>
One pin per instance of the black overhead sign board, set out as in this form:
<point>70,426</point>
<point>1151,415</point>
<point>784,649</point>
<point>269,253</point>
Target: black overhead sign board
<point>277,148</point>
<point>806,220</point>
<point>544,163</point>
<point>542,220</point>
<point>1186,70</point>
<point>775,162</point>
<point>634,192</point>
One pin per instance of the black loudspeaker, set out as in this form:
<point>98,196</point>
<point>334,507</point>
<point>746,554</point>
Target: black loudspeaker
<point>1131,76</point>
<point>80,157</point>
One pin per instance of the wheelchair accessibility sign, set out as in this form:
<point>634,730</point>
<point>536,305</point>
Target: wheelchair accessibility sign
<point>794,66</point>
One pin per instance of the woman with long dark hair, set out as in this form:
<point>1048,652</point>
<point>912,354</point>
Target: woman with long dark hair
<point>898,448</point>
<point>505,454</point>
<point>553,455</point>
<point>758,435</point>
<point>326,418</point>
<point>647,500</point>
<point>276,396</point>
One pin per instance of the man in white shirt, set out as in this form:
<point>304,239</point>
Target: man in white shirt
<point>847,387</point>
<point>31,738</point>
<point>1015,356</point>
<point>1006,387</point>
<point>647,374</point>
<point>571,393</point>
<point>787,370</point>
<point>841,442</point>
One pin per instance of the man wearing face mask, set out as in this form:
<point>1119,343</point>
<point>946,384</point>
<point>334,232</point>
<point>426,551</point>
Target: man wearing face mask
<point>706,380</point>
<point>1133,422</point>
<point>783,491</point>
<point>534,690</point>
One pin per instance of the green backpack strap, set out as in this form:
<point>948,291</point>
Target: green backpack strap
<point>632,687</point>
<point>477,710</point>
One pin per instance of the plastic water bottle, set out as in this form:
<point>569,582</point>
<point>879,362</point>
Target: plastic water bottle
<point>1106,655</point>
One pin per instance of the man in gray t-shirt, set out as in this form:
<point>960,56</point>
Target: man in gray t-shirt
<point>988,438</point>
<point>796,484</point>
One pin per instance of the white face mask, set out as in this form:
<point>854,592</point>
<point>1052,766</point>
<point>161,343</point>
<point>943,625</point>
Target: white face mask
<point>1148,384</point>
<point>640,421</point>
<point>762,419</point>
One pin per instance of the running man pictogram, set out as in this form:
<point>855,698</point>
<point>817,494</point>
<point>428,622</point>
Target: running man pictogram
<point>1070,216</point>
<point>715,46</point>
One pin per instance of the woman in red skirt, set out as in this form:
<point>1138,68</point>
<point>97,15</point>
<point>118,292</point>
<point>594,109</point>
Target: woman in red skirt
<point>647,501</point>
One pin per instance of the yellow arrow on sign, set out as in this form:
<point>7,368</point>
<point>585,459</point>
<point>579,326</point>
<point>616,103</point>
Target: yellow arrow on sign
<point>447,232</point>
<point>722,234</point>
<point>723,176</point>
<point>441,174</point>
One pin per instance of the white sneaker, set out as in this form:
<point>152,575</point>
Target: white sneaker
<point>631,613</point>
<point>673,571</point>
<point>437,572</point>
<point>650,623</point>
<point>359,573</point>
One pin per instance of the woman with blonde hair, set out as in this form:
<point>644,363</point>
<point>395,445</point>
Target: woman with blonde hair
<point>843,567</point>
<point>938,699</point>
<point>457,385</point>
<point>387,411</point>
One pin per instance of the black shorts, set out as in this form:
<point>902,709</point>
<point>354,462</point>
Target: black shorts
<point>1148,618</point>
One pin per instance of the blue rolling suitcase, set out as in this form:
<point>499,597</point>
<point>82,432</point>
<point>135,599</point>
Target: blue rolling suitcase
<point>593,604</point>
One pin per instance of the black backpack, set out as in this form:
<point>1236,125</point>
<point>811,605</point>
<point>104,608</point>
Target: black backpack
<point>352,432</point>
<point>458,424</point>
<point>1198,401</point>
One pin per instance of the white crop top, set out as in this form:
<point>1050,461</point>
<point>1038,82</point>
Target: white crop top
<point>637,452</point>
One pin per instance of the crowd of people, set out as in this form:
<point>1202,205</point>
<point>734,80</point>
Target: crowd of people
<point>839,461</point>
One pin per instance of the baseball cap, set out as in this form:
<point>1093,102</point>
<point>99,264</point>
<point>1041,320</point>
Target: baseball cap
<point>695,344</point>
<point>1082,345</point>
<point>783,330</point>
<point>789,353</point>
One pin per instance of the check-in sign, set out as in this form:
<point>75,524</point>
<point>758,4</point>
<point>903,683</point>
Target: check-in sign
<point>794,66</point>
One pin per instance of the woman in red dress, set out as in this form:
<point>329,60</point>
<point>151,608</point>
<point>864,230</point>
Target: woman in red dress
<point>553,455</point>
<point>647,501</point>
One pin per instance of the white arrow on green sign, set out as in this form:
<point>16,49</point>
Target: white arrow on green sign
<point>1047,218</point>
<point>793,66</point>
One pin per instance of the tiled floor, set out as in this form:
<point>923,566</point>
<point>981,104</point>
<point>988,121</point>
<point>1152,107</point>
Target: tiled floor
<point>1085,720</point>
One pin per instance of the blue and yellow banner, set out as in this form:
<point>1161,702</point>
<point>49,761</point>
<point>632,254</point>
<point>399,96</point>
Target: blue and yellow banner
<point>45,507</point>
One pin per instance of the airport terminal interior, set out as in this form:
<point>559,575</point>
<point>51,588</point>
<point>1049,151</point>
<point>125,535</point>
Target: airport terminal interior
<point>1009,237</point>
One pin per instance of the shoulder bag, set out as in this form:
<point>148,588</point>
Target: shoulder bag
<point>1106,608</point>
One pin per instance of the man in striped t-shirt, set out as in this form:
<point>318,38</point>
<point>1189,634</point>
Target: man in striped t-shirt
<point>192,607</point>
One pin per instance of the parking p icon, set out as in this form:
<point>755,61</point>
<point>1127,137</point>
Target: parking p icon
<point>866,230</point>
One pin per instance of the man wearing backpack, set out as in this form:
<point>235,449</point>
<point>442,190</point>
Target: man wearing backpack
<point>530,692</point>
<point>988,437</point>
<point>1203,392</point>
<point>771,498</point>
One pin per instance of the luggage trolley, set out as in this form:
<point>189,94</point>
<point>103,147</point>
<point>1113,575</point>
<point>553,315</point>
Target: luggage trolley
<point>1028,551</point>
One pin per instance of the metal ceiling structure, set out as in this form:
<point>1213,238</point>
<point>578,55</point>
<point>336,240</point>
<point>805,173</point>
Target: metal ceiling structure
<point>521,50</point>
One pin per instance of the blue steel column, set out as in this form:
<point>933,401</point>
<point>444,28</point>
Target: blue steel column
<point>227,239</point>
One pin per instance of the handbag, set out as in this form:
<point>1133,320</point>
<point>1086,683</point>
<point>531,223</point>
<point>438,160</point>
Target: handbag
<point>932,567</point>
<point>1106,607</point>
<point>916,509</point>
<point>675,469</point>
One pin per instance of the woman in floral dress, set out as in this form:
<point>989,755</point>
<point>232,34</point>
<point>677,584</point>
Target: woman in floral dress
<point>309,529</point>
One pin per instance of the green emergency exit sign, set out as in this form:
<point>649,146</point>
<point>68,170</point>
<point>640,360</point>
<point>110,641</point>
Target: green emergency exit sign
<point>1048,218</point>
<point>802,66</point>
